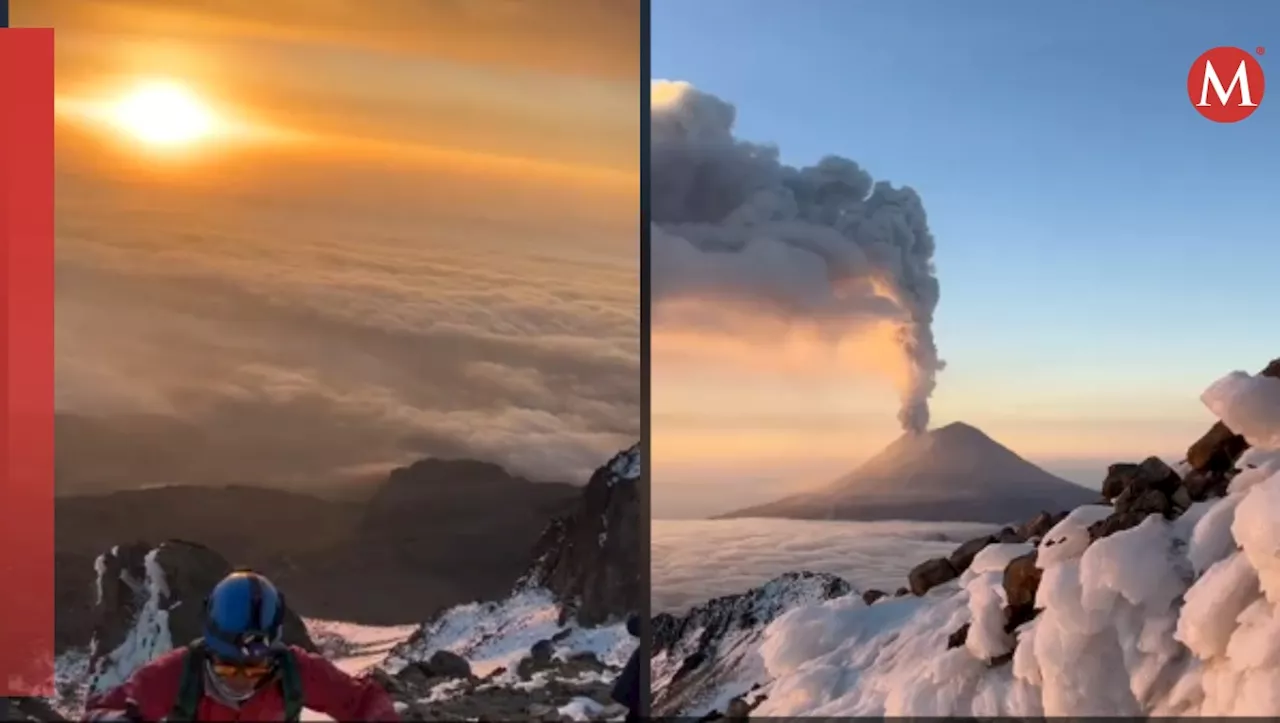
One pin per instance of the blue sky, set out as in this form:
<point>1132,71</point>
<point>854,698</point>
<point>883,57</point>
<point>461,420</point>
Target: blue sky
<point>1097,238</point>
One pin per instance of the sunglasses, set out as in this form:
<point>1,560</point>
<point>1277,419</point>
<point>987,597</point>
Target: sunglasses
<point>252,670</point>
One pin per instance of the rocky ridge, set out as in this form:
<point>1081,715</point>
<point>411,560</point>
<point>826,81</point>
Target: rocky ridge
<point>552,649</point>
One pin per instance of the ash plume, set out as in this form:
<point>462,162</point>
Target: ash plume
<point>824,246</point>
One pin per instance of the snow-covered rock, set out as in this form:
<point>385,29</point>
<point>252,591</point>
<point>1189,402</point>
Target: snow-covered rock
<point>707,657</point>
<point>554,646</point>
<point>590,559</point>
<point>1168,617</point>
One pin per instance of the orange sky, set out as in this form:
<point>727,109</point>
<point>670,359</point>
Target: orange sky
<point>510,87</point>
<point>413,233</point>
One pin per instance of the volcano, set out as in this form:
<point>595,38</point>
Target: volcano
<point>953,473</point>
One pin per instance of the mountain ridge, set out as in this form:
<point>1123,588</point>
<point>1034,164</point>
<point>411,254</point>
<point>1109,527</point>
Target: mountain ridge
<point>955,472</point>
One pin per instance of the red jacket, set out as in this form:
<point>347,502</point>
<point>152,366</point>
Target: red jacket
<point>153,689</point>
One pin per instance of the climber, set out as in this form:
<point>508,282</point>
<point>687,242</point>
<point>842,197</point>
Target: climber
<point>240,669</point>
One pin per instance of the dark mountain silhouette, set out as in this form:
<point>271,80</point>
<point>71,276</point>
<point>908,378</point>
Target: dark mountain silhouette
<point>434,534</point>
<point>954,473</point>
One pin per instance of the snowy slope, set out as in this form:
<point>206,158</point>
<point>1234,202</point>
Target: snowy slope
<point>1168,618</point>
<point>726,630</point>
<point>497,635</point>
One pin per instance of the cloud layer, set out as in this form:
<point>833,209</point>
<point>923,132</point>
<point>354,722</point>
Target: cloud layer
<point>821,250</point>
<point>694,561</point>
<point>259,338</point>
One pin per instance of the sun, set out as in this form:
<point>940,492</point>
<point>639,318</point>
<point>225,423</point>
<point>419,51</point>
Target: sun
<point>163,113</point>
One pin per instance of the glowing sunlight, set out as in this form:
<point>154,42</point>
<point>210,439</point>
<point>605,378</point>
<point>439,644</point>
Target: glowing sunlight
<point>163,114</point>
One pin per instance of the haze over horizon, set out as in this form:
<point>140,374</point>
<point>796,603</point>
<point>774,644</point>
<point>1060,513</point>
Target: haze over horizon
<point>377,249</point>
<point>1079,322</point>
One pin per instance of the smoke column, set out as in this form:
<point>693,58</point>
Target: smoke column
<point>822,245</point>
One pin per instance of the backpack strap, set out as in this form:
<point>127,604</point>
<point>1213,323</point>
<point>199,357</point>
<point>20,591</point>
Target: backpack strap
<point>191,687</point>
<point>291,686</point>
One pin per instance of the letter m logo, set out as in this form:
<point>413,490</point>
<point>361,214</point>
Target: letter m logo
<point>1238,97</point>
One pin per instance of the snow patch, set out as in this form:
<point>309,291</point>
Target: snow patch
<point>626,465</point>
<point>494,635</point>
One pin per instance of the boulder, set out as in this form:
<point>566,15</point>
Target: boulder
<point>737,709</point>
<point>1205,485</point>
<point>1009,535</point>
<point>1181,499</point>
<point>1037,526</point>
<point>963,555</point>
<point>1217,451</point>
<point>1135,479</point>
<point>1118,477</point>
<point>902,592</point>
<point>930,574</point>
<point>1144,501</point>
<point>871,596</point>
<point>1021,581</point>
<point>1118,521</point>
<point>447,664</point>
<point>542,651</point>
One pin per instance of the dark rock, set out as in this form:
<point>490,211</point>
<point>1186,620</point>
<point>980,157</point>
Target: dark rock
<point>1009,535</point>
<point>1036,526</point>
<point>414,675</point>
<point>542,651</point>
<point>590,559</point>
<point>1119,476</point>
<point>446,664</point>
<point>1136,500</point>
<point>930,574</point>
<point>1158,476</point>
<point>1116,522</point>
<point>1205,485</point>
<point>963,555</point>
<point>902,592</point>
<point>1021,581</point>
<point>1217,451</point>
<point>1181,499</point>
<point>1135,479</point>
<point>562,635</point>
<point>737,709</point>
<point>393,684</point>
<point>528,667</point>
<point>958,638</point>
<point>871,596</point>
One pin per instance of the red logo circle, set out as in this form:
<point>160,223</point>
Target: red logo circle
<point>1226,84</point>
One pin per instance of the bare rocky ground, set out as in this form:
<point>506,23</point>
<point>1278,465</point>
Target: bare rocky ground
<point>444,689</point>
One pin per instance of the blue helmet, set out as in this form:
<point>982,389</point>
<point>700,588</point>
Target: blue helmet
<point>244,617</point>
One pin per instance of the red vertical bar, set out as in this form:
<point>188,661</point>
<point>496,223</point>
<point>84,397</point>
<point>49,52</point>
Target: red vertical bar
<point>26,367</point>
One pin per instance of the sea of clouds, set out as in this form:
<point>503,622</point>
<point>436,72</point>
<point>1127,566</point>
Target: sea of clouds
<point>696,560</point>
